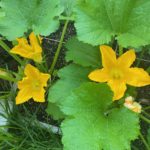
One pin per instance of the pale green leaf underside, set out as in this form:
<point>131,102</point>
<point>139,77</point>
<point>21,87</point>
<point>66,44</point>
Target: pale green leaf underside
<point>83,54</point>
<point>90,128</point>
<point>100,20</point>
<point>41,16</point>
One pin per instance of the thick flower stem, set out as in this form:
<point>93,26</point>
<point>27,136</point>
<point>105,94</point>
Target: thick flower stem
<point>11,79</point>
<point>58,48</point>
<point>7,49</point>
<point>145,119</point>
<point>144,142</point>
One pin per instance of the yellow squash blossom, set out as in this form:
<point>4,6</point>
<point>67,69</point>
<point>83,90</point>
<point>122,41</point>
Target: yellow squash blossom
<point>32,51</point>
<point>117,72</point>
<point>134,106</point>
<point>32,85</point>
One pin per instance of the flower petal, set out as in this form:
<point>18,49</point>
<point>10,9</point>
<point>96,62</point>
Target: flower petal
<point>99,75</point>
<point>23,48</point>
<point>118,87</point>
<point>108,56</point>
<point>37,57</point>
<point>137,77</point>
<point>127,59</point>
<point>44,78</point>
<point>24,83</point>
<point>23,96</point>
<point>31,71</point>
<point>39,95</point>
<point>35,43</point>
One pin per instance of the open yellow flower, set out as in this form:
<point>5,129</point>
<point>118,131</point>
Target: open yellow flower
<point>32,85</point>
<point>117,71</point>
<point>32,51</point>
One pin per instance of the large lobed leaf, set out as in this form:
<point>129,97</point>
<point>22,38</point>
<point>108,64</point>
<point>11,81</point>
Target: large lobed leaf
<point>83,54</point>
<point>85,57</point>
<point>71,77</point>
<point>69,6</point>
<point>23,15</point>
<point>54,111</point>
<point>127,20</point>
<point>90,128</point>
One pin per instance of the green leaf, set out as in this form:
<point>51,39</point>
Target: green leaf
<point>98,21</point>
<point>83,54</point>
<point>53,109</point>
<point>71,77</point>
<point>2,14</point>
<point>69,6</point>
<point>90,128</point>
<point>23,15</point>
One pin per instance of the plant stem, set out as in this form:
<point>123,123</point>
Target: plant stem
<point>144,142</point>
<point>145,113</point>
<point>71,18</point>
<point>141,55</point>
<point>59,47</point>
<point>145,119</point>
<point>7,49</point>
<point>120,50</point>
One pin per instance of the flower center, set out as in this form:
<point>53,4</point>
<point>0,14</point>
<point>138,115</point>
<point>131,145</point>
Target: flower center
<point>36,85</point>
<point>116,74</point>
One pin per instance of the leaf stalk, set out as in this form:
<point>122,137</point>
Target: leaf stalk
<point>59,47</point>
<point>144,141</point>
<point>145,119</point>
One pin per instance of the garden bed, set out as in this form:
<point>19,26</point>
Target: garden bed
<point>81,109</point>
